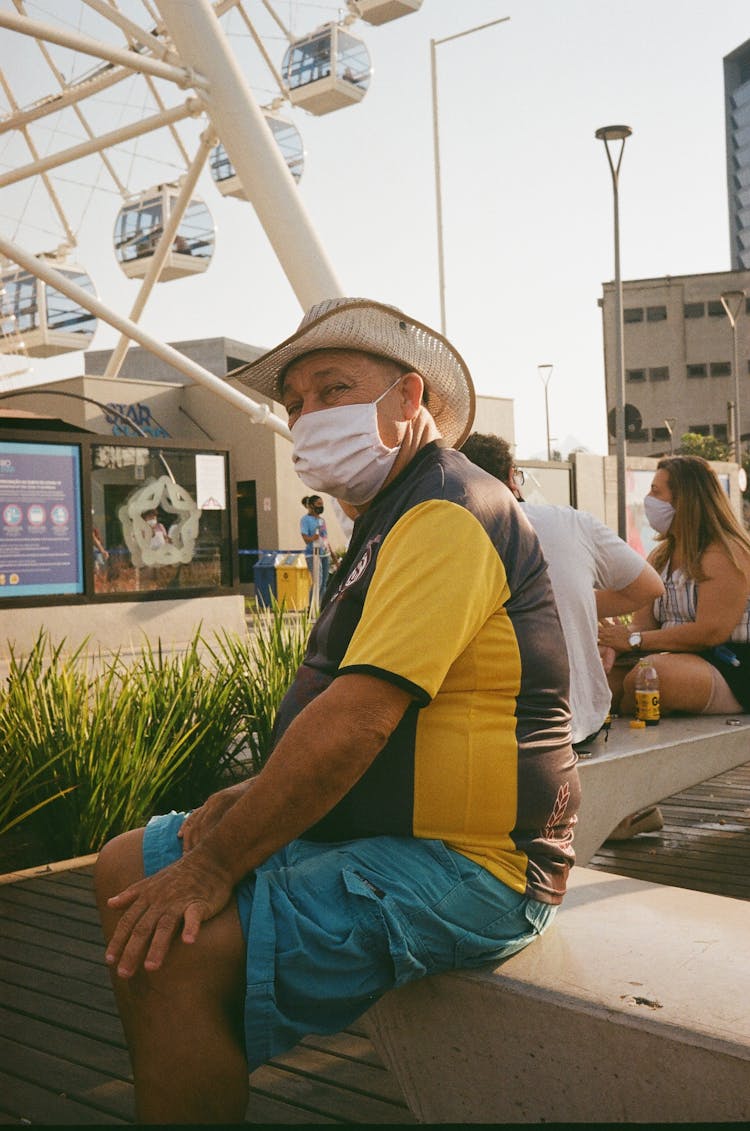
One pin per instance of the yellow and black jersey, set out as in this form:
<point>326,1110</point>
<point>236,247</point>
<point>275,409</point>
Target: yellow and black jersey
<point>444,591</point>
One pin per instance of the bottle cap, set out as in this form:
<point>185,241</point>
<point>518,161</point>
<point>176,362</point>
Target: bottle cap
<point>637,723</point>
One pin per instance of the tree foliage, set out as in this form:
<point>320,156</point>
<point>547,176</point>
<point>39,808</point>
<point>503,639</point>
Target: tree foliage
<point>693,444</point>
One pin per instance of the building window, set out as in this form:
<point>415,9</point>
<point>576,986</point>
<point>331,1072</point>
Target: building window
<point>720,369</point>
<point>697,370</point>
<point>694,309</point>
<point>716,309</point>
<point>659,373</point>
<point>658,434</point>
<point>700,429</point>
<point>632,314</point>
<point>656,313</point>
<point>721,433</point>
<point>639,437</point>
<point>635,374</point>
<point>747,306</point>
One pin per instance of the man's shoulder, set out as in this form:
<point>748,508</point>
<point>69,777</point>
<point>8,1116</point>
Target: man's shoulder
<point>565,517</point>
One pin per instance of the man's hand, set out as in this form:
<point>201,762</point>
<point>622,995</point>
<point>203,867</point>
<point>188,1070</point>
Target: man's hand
<point>179,898</point>
<point>202,820</point>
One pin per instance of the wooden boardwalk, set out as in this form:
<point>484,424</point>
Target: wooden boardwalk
<point>62,1054</point>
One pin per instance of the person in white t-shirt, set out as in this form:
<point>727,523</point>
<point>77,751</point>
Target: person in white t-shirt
<point>594,575</point>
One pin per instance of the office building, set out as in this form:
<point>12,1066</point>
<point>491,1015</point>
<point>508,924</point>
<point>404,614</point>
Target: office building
<point>678,346</point>
<point>737,116</point>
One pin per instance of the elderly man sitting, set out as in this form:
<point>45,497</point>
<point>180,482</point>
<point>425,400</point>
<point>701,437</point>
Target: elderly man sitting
<point>416,813</point>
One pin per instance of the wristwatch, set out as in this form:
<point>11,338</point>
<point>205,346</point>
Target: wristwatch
<point>635,639</point>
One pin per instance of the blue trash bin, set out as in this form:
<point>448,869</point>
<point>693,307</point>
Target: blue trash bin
<point>264,576</point>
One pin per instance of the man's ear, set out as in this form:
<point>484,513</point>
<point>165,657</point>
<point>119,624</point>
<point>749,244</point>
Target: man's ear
<point>411,389</point>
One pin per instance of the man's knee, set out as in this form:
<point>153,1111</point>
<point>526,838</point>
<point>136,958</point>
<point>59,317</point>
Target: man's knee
<point>120,863</point>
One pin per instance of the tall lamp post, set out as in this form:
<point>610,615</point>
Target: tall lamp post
<point>732,301</point>
<point>609,134</point>
<point>545,372</point>
<point>434,43</point>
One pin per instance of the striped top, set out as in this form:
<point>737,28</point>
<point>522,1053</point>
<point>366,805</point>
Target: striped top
<point>679,604</point>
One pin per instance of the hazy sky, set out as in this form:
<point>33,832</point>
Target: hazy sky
<point>527,196</point>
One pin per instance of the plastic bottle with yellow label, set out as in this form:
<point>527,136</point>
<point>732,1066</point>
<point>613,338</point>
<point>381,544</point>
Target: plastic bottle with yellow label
<point>647,693</point>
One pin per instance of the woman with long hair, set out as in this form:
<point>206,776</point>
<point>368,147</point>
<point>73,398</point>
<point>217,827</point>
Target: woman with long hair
<point>697,635</point>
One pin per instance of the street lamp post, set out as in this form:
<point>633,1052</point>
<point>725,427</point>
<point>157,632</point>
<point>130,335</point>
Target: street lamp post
<point>669,423</point>
<point>732,301</point>
<point>434,43</point>
<point>609,134</point>
<point>545,372</point>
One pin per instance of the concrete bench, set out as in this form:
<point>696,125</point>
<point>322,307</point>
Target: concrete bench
<point>635,768</point>
<point>633,1007</point>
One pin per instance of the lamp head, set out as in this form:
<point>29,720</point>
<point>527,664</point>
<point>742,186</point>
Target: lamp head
<point>613,133</point>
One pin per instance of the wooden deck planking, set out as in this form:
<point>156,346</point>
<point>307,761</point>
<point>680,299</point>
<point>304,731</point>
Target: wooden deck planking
<point>62,1054</point>
<point>704,845</point>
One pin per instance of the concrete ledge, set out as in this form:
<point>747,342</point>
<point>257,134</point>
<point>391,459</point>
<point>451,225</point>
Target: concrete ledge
<point>632,1008</point>
<point>123,625</point>
<point>635,768</point>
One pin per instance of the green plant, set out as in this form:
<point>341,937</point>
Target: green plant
<point>198,698</point>
<point>100,745</point>
<point>260,669</point>
<point>108,758</point>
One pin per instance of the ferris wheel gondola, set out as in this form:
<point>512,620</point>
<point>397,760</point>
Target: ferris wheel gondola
<point>36,319</point>
<point>326,70</point>
<point>382,11</point>
<point>289,141</point>
<point>139,227</point>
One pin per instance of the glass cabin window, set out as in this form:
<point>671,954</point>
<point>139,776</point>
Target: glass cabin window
<point>64,314</point>
<point>20,301</point>
<point>139,227</point>
<point>195,234</point>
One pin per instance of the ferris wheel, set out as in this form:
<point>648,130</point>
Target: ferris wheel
<point>86,86</point>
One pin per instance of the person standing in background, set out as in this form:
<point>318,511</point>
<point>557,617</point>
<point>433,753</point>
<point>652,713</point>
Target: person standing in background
<point>317,547</point>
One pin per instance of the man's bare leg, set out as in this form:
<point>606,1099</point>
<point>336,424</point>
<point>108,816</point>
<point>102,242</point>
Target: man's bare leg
<point>184,1023</point>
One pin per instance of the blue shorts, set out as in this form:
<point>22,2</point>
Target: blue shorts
<point>331,927</point>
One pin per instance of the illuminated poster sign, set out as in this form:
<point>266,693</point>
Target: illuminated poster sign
<point>40,520</point>
<point>210,483</point>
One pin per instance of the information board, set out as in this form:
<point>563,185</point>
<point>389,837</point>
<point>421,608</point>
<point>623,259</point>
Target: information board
<point>40,519</point>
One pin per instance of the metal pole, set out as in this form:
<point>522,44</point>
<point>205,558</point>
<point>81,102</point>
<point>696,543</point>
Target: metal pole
<point>191,108</point>
<point>733,301</point>
<point>436,147</point>
<point>259,413</point>
<point>247,137</point>
<point>737,422</point>
<point>545,372</point>
<point>607,134</point>
<point>133,60</point>
<point>438,189</point>
<point>620,356</point>
<point>104,78</point>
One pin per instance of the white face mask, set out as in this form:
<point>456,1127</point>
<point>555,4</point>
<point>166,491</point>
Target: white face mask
<point>339,451</point>
<point>659,513</point>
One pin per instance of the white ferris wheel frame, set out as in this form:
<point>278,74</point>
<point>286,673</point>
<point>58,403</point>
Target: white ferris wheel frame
<point>202,62</point>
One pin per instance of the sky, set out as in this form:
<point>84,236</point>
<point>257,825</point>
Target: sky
<point>526,189</point>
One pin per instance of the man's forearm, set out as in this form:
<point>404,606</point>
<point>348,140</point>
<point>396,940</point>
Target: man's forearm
<point>325,750</point>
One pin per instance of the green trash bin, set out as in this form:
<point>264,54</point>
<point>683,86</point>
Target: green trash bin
<point>292,581</point>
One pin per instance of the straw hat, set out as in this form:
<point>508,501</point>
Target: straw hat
<point>372,327</point>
